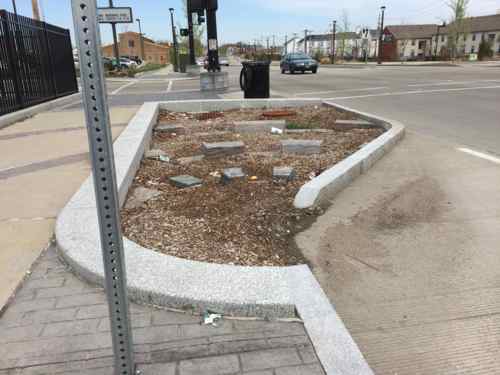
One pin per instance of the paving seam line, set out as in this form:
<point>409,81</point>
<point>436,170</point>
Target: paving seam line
<point>161,280</point>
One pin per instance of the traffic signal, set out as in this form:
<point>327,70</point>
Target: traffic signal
<point>184,32</point>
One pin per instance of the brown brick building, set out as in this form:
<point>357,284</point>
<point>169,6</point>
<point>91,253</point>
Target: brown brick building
<point>130,45</point>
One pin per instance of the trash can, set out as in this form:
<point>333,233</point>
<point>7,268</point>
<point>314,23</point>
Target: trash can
<point>254,79</point>
<point>183,62</point>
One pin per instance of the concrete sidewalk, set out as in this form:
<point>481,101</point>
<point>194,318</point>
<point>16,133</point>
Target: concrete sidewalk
<point>58,324</point>
<point>44,160</point>
<point>409,253</point>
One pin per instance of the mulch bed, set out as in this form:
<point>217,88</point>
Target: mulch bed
<point>249,222</point>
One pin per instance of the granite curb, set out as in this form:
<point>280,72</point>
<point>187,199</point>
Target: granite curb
<point>157,279</point>
<point>324,187</point>
<point>23,114</point>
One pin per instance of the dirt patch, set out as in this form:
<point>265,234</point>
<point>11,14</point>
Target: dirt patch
<point>248,222</point>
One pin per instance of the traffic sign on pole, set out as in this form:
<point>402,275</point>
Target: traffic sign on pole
<point>104,176</point>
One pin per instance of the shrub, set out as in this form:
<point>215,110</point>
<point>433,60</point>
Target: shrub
<point>485,50</point>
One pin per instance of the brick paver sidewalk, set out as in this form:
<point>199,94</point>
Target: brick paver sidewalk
<point>58,324</point>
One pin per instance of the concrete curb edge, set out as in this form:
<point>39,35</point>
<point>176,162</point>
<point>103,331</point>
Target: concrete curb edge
<point>23,114</point>
<point>162,280</point>
<point>334,180</point>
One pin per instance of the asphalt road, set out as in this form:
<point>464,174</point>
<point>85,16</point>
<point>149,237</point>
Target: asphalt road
<point>457,104</point>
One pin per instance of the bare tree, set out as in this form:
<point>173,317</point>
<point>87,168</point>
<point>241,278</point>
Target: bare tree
<point>458,24</point>
<point>344,29</point>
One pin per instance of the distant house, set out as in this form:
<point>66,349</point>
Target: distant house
<point>407,42</point>
<point>469,35</point>
<point>346,44</point>
<point>130,45</point>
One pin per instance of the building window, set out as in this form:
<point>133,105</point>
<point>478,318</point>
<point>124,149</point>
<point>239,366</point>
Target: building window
<point>473,37</point>
<point>465,37</point>
<point>442,38</point>
<point>472,49</point>
<point>491,38</point>
<point>413,42</point>
<point>131,44</point>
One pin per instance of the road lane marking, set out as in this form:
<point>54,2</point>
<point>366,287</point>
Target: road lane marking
<point>415,92</point>
<point>450,82</point>
<point>478,154</point>
<point>169,87</point>
<point>345,90</point>
<point>123,87</point>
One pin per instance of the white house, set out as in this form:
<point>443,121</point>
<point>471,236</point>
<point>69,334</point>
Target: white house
<point>347,45</point>
<point>474,29</point>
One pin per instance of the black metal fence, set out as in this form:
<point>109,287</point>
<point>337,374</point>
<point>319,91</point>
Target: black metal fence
<point>36,62</point>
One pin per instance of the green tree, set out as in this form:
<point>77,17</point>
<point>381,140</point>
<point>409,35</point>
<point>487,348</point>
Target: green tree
<point>485,50</point>
<point>458,24</point>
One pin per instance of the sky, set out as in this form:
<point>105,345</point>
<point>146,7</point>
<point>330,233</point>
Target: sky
<point>244,20</point>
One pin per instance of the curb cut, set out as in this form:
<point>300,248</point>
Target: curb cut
<point>162,280</point>
<point>334,180</point>
<point>23,114</point>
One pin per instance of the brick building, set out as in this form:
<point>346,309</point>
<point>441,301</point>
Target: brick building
<point>407,42</point>
<point>130,45</point>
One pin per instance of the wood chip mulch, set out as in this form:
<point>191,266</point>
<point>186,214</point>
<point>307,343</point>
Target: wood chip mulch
<point>251,222</point>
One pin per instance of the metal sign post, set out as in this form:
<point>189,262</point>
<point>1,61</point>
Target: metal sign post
<point>103,170</point>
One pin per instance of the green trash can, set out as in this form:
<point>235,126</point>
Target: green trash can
<point>183,62</point>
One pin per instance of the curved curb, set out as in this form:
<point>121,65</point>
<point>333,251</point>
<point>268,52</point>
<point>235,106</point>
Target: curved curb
<point>332,181</point>
<point>161,280</point>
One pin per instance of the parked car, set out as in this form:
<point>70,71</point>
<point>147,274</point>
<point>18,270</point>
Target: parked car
<point>223,61</point>
<point>200,61</point>
<point>126,63</point>
<point>298,62</point>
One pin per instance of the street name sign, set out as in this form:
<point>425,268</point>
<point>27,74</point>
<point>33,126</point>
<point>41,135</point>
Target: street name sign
<point>115,15</point>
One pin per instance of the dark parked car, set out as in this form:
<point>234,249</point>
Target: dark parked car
<point>298,62</point>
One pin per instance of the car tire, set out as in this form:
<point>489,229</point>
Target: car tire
<point>303,72</point>
<point>283,71</point>
<point>292,71</point>
<point>314,71</point>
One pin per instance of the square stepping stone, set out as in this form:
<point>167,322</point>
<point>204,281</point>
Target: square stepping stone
<point>301,147</point>
<point>185,181</point>
<point>231,174</point>
<point>156,155</point>
<point>264,126</point>
<point>170,129</point>
<point>283,173</point>
<point>189,160</point>
<point>221,149</point>
<point>140,196</point>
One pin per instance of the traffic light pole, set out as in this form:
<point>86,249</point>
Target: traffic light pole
<point>104,177</point>
<point>213,48</point>
<point>192,54</point>
<point>115,40</point>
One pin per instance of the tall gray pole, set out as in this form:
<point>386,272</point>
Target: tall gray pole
<point>14,7</point>
<point>305,41</point>
<point>104,177</point>
<point>174,40</point>
<point>380,40</point>
<point>141,39</point>
<point>115,40</point>
<point>334,37</point>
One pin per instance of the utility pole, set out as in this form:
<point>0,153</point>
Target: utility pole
<point>141,39</point>
<point>334,36</point>
<point>36,9</point>
<point>286,44</point>
<point>115,41</point>
<point>305,40</point>
<point>192,54</point>
<point>295,36</point>
<point>273,49</point>
<point>14,7</point>
<point>381,35</point>
<point>174,40</point>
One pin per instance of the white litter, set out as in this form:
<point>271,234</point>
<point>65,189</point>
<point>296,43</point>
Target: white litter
<point>276,131</point>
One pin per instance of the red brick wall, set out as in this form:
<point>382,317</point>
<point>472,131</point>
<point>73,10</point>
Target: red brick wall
<point>389,47</point>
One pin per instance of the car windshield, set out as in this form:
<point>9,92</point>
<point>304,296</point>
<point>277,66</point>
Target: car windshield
<point>298,56</point>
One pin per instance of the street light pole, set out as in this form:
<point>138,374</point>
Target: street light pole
<point>115,41</point>
<point>141,39</point>
<point>381,35</point>
<point>334,36</point>
<point>14,7</point>
<point>174,39</point>
<point>305,41</point>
